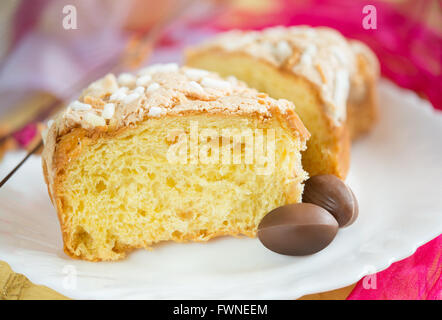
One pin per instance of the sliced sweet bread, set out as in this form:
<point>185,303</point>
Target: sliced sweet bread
<point>169,154</point>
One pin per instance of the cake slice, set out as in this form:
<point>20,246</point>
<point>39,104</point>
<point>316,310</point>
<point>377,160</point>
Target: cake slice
<point>332,82</point>
<point>169,154</point>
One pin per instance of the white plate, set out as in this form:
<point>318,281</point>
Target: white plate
<point>396,174</point>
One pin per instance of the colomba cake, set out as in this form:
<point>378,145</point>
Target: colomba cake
<point>331,80</point>
<point>170,153</point>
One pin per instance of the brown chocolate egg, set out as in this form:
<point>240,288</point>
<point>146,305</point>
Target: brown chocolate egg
<point>297,229</point>
<point>332,194</point>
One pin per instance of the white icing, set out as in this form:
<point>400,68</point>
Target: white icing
<point>283,50</point>
<point>120,94</point>
<point>339,54</point>
<point>80,106</point>
<point>144,80</point>
<point>196,86</point>
<point>156,111</point>
<point>139,90</point>
<point>215,83</point>
<point>108,111</point>
<point>131,98</point>
<point>126,79</point>
<point>152,87</point>
<point>232,79</point>
<point>307,55</point>
<point>94,120</point>
<point>195,74</point>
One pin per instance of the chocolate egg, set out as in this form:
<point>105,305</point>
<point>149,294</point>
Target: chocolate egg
<point>332,194</point>
<point>297,229</point>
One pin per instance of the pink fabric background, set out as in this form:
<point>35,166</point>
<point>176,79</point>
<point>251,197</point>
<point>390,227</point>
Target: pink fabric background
<point>416,277</point>
<point>410,55</point>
